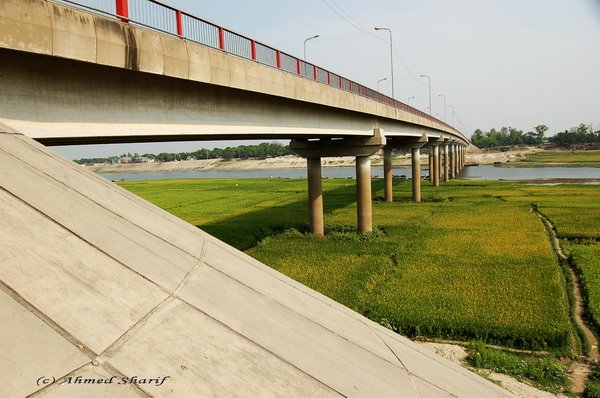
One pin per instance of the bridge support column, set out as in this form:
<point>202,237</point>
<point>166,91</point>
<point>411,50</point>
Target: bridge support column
<point>435,164</point>
<point>456,151</point>
<point>446,164</point>
<point>362,148</point>
<point>388,175</point>
<point>451,156</point>
<point>415,144</point>
<point>430,158</point>
<point>315,196</point>
<point>416,173</point>
<point>364,211</point>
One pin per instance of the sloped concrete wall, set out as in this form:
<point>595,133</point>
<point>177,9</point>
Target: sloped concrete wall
<point>97,283</point>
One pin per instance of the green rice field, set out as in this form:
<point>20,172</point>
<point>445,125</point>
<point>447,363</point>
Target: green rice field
<point>471,262</point>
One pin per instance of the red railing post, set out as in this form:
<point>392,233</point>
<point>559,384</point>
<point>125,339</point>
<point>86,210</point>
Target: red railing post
<point>253,49</point>
<point>329,78</point>
<point>350,85</point>
<point>278,59</point>
<point>179,23</point>
<point>298,66</point>
<point>314,72</point>
<point>122,10</point>
<point>221,38</point>
<point>341,83</point>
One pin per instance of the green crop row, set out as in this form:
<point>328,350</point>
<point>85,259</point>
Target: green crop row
<point>471,262</point>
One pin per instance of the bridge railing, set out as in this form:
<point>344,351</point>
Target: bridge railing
<point>161,17</point>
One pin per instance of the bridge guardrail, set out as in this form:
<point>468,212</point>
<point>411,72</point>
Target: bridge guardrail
<point>158,16</point>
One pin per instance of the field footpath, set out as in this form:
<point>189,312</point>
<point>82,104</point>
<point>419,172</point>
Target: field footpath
<point>583,367</point>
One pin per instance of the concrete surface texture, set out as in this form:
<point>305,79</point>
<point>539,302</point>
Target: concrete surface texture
<point>98,285</point>
<point>73,76</point>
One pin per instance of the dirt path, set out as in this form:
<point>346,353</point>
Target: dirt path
<point>580,369</point>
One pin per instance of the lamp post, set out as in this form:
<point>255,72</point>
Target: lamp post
<point>451,107</point>
<point>379,81</point>
<point>391,57</point>
<point>310,38</point>
<point>429,80</point>
<point>408,100</point>
<point>442,95</point>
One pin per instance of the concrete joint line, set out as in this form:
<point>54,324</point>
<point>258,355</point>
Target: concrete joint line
<point>68,187</point>
<point>86,241</point>
<point>108,353</point>
<point>411,375</point>
<point>275,355</point>
<point>4,129</point>
<point>44,318</point>
<point>289,309</point>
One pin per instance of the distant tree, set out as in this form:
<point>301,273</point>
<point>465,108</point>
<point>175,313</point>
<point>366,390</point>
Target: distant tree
<point>508,136</point>
<point>575,135</point>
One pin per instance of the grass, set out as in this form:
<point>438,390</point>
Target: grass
<point>544,372</point>
<point>586,259</point>
<point>469,263</point>
<point>592,389</point>
<point>470,267</point>
<point>590,158</point>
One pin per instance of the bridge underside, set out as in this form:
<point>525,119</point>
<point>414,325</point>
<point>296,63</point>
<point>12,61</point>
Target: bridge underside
<point>59,101</point>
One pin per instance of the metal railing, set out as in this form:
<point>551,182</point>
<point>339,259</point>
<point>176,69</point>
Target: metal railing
<point>161,17</point>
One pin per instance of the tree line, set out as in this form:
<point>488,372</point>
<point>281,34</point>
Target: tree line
<point>260,151</point>
<point>509,136</point>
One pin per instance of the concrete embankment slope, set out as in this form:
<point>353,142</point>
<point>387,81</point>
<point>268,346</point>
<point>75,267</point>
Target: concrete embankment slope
<point>98,284</point>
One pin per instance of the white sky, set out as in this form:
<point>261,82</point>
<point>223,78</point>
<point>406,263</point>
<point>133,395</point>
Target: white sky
<point>499,63</point>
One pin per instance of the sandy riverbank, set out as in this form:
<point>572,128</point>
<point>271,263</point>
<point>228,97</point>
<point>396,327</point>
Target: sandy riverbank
<point>474,155</point>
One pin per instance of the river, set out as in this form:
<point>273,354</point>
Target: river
<point>470,172</point>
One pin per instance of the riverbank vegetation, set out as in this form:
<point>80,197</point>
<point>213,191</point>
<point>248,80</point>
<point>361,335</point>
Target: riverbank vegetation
<point>260,151</point>
<point>542,371</point>
<point>510,136</point>
<point>589,158</point>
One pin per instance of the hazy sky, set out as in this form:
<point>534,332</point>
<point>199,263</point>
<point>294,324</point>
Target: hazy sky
<point>499,63</point>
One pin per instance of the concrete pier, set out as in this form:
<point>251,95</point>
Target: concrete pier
<point>364,211</point>
<point>415,144</point>
<point>362,148</point>
<point>431,160</point>
<point>416,174</point>
<point>454,161</point>
<point>315,196</point>
<point>436,165</point>
<point>388,175</point>
<point>435,162</point>
<point>446,163</point>
<point>451,159</point>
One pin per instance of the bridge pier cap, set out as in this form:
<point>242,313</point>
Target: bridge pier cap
<point>331,147</point>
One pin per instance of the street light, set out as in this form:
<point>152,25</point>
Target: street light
<point>310,38</point>
<point>408,100</point>
<point>391,57</point>
<point>450,106</point>
<point>442,95</point>
<point>379,81</point>
<point>429,79</point>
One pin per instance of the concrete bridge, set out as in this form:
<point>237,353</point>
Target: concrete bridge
<point>125,74</point>
<point>99,288</point>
